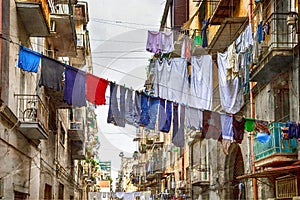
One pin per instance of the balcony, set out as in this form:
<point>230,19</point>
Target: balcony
<point>227,32</point>
<point>76,131</point>
<point>35,16</point>
<point>276,151</point>
<point>223,9</point>
<point>277,50</point>
<point>63,33</point>
<point>33,116</point>
<point>154,169</point>
<point>80,59</point>
<point>78,150</point>
<point>200,175</point>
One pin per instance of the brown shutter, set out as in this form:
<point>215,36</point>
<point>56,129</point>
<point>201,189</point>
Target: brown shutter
<point>180,12</point>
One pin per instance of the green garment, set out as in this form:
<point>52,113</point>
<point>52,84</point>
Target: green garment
<point>198,40</point>
<point>249,124</point>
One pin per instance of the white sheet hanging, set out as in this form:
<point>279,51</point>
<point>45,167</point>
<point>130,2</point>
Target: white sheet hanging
<point>201,90</point>
<point>231,93</point>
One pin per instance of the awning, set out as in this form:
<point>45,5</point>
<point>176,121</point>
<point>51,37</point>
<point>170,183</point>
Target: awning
<point>271,172</point>
<point>228,31</point>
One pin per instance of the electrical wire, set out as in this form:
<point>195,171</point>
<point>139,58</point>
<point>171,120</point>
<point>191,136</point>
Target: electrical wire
<point>118,41</point>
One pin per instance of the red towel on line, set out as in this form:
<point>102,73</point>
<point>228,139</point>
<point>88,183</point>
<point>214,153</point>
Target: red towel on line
<point>95,89</point>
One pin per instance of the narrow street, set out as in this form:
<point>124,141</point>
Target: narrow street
<point>149,100</point>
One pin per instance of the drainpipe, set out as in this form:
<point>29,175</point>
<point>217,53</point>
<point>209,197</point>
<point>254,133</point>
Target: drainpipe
<point>252,107</point>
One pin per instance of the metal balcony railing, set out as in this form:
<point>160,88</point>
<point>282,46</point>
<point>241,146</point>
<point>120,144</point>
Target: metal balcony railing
<point>276,144</point>
<point>280,35</point>
<point>31,109</point>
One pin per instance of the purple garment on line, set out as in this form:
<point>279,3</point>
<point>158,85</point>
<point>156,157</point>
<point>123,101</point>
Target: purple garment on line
<point>74,90</point>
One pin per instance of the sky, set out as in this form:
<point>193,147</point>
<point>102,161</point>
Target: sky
<point>118,35</point>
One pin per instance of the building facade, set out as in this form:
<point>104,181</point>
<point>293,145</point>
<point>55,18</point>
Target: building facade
<point>248,169</point>
<point>43,140</point>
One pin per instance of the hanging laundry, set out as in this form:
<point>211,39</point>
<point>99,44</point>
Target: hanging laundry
<point>260,32</point>
<point>198,40</point>
<point>194,118</point>
<point>145,109</point>
<point>137,108</point>
<point>165,115</point>
<point>226,144</point>
<point>153,103</point>
<point>293,129</point>
<point>245,66</point>
<point>95,89</point>
<point>51,74</point>
<point>231,94</point>
<point>29,60</point>
<point>160,42</point>
<point>113,110</point>
<point>167,45</point>
<point>201,82</point>
<point>248,37</point>
<point>129,107</point>
<point>121,120</point>
<point>177,85</point>
<point>205,24</point>
<point>249,124</point>
<point>178,128</point>
<point>227,129</point>
<point>263,137</point>
<point>238,124</point>
<point>212,127</point>
<point>261,126</point>
<point>75,87</point>
<point>232,69</point>
<point>186,48</point>
<point>149,83</point>
<point>245,40</point>
<point>162,78</point>
<point>128,196</point>
<point>153,41</point>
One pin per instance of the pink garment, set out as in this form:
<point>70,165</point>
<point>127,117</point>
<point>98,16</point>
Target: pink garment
<point>186,49</point>
<point>153,42</point>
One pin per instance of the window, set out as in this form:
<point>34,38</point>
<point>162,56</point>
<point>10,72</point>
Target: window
<point>62,135</point>
<point>48,192</point>
<point>19,195</point>
<point>282,105</point>
<point>60,191</point>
